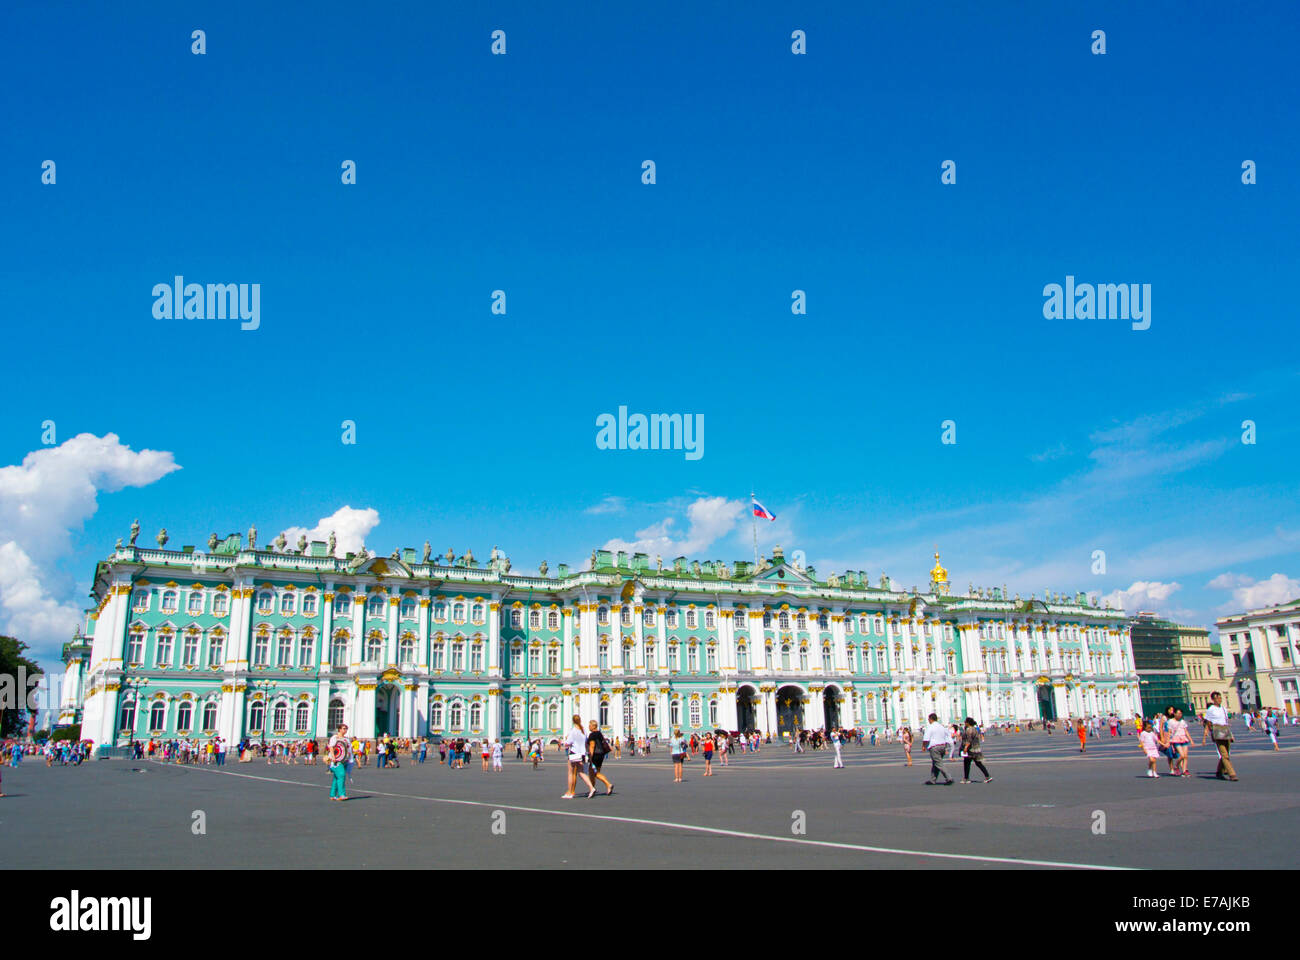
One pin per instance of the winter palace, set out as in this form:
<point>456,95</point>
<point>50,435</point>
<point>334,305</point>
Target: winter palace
<point>282,643</point>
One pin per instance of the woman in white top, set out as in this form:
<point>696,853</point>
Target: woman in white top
<point>576,746</point>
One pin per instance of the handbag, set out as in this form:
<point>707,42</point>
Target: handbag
<point>1221,733</point>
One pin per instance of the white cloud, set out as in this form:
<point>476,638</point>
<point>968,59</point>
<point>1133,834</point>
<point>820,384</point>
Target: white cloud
<point>1251,594</point>
<point>710,519</point>
<point>1142,595</point>
<point>42,501</point>
<point>350,528</point>
<point>609,505</point>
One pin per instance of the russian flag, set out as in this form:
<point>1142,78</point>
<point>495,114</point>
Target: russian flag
<point>762,511</point>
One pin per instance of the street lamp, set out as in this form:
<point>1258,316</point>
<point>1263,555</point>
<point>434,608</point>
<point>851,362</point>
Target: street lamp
<point>528,689</point>
<point>266,686</point>
<point>135,685</point>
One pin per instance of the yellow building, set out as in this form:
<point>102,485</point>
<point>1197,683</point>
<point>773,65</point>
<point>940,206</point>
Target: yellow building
<point>1203,666</point>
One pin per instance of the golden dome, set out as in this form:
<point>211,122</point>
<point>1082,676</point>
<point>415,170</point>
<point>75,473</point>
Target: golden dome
<point>938,574</point>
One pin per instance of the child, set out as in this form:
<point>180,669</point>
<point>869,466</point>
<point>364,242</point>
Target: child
<point>1150,746</point>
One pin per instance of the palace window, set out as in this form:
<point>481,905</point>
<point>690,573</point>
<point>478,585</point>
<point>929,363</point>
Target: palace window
<point>553,661</point>
<point>648,616</point>
<point>126,721</point>
<point>742,658</point>
<point>458,612</point>
<point>516,618</point>
<point>711,659</point>
<point>169,601</point>
<point>307,649</point>
<point>947,631</point>
<point>828,662</point>
<point>280,718</point>
<point>535,661</point>
<point>342,604</point>
<point>740,618</point>
<point>690,619</point>
<point>695,713</point>
<point>670,618</point>
<point>625,615</point>
<point>801,622</point>
<point>823,622</point>
<point>713,713</point>
<point>435,714</point>
<point>190,651</point>
<point>406,650</point>
<point>516,660</point>
<point>625,656</point>
<point>848,625</point>
<point>309,604</point>
<point>287,605</point>
<point>284,652</point>
<point>195,604</point>
<point>256,713</point>
<point>710,620</point>
<point>672,654</point>
<point>158,716</point>
<point>882,659</point>
<point>604,713</point>
<point>457,656</point>
<point>534,619</point>
<point>602,616</point>
<point>476,657</point>
<point>783,620</point>
<point>652,714</point>
<point>675,713</point>
<point>457,715</point>
<point>220,604</point>
<point>803,659</point>
<point>476,716</point>
<point>767,620</point>
<point>140,601</point>
<point>164,657</point>
<point>785,656</point>
<point>374,648</point>
<point>650,658</point>
<point>535,716</point>
<point>604,655</point>
<point>209,716</point>
<point>950,660</point>
<point>693,658</point>
<point>880,626</point>
<point>375,605</point>
<point>516,716</point>
<point>440,612</point>
<point>216,648</point>
<point>184,714</point>
<point>476,613</point>
<point>302,715</point>
<point>553,620</point>
<point>407,608</point>
<point>553,715</point>
<point>862,624</point>
<point>265,602</point>
<point>339,651</point>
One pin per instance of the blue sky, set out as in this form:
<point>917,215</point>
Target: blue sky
<point>775,172</point>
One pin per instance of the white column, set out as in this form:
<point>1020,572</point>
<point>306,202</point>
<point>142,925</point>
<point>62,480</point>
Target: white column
<point>358,636</point>
<point>639,717</point>
<point>390,642</point>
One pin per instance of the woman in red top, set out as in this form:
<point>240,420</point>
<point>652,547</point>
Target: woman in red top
<point>707,746</point>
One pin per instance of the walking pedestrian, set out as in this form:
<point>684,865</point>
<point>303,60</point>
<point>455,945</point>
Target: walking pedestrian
<point>1149,743</point>
<point>935,740</point>
<point>1216,727</point>
<point>972,750</point>
<point>597,751</point>
<point>836,737</point>
<point>340,754</point>
<point>678,747</point>
<point>576,744</point>
<point>905,735</point>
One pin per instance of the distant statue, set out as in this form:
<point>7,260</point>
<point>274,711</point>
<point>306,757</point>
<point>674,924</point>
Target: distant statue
<point>723,572</point>
<point>212,542</point>
<point>506,566</point>
<point>834,580</point>
<point>762,563</point>
<point>333,542</point>
<point>451,556</point>
<point>495,554</point>
<point>135,531</point>
<point>394,555</point>
<point>469,557</point>
<point>542,568</point>
<point>659,562</point>
<point>302,543</point>
<point>695,568</point>
<point>119,544</point>
<point>362,553</point>
<point>252,537</point>
<point>162,538</point>
<point>281,541</point>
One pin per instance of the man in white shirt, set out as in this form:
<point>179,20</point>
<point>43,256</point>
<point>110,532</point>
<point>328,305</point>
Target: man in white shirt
<point>1216,726</point>
<point>936,739</point>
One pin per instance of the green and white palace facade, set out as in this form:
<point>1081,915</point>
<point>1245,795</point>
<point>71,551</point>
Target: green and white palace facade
<point>283,644</point>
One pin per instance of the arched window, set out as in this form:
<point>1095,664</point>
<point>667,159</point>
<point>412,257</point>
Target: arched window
<point>516,716</point>
<point>602,616</point>
<point>604,713</point>
<point>220,603</point>
<point>407,610</point>
<point>516,618</point>
<point>342,604</point>
<point>535,716</point>
<point>553,715</point>
<point>287,604</point>
<point>553,620</point>
<point>710,620</point>
<point>652,714</point>
<point>848,625</point>
<point>457,715</point>
<point>280,717</point>
<point>880,626</point>
<point>625,615</point>
<point>309,604</point>
<point>190,648</point>
<point>675,713</point>
<point>534,619</point>
<point>440,612</point>
<point>140,601</point>
<point>767,620</point>
<point>374,647</point>
<point>458,612</point>
<point>302,716</point>
<point>713,713</point>
<point>785,656</point>
<point>801,622</point>
<point>307,648</point>
<point>265,602</point>
<point>209,716</point>
<point>194,606</point>
<point>164,657</point>
<point>334,719</point>
<point>170,599</point>
<point>823,622</point>
<point>476,613</point>
<point>184,716</point>
<point>783,620</point>
<point>375,605</point>
<point>284,650</point>
<point>690,619</point>
<point>407,650</point>
<point>339,650</point>
<point>435,714</point>
<point>648,616</point>
<point>670,618</point>
<point>158,716</point>
<point>742,658</point>
<point>126,720</point>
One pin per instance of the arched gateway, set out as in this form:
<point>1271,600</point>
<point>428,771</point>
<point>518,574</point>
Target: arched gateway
<point>748,708</point>
<point>789,710</point>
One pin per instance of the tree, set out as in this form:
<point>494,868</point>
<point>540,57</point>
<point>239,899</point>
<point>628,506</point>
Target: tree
<point>13,695</point>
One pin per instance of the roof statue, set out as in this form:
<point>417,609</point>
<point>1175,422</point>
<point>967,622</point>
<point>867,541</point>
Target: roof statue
<point>212,542</point>
<point>119,543</point>
<point>135,531</point>
<point>495,554</point>
<point>302,543</point>
<point>541,568</point>
<point>252,537</point>
<point>451,556</point>
<point>162,538</point>
<point>659,562</point>
<point>469,557</point>
<point>428,549</point>
<point>333,542</point>
<point>281,541</point>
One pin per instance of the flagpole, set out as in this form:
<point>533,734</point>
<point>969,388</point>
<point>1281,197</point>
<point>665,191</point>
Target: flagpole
<point>754,525</point>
